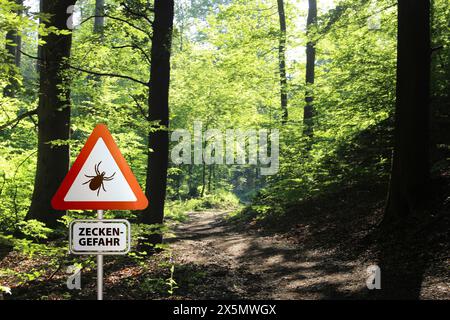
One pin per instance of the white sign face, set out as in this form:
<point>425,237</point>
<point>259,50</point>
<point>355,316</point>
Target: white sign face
<point>111,186</point>
<point>110,236</point>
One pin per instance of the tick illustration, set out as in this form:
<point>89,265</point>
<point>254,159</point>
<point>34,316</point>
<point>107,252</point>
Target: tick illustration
<point>96,182</point>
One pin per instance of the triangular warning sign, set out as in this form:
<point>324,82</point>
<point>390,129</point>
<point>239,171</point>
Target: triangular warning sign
<point>100,178</point>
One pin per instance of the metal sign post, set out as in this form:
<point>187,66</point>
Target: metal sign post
<point>100,237</point>
<point>100,179</point>
<point>100,266</point>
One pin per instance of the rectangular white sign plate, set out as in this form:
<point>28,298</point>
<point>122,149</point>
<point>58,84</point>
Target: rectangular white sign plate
<point>94,236</point>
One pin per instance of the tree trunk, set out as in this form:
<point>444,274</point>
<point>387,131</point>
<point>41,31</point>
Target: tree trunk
<point>192,182</point>
<point>99,20</point>
<point>99,25</point>
<point>158,141</point>
<point>203,179</point>
<point>214,178</point>
<point>410,165</point>
<point>282,61</point>
<point>210,175</point>
<point>308,111</point>
<point>179,179</point>
<point>53,114</point>
<point>13,47</point>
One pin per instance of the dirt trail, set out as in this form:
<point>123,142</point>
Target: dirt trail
<point>236,263</point>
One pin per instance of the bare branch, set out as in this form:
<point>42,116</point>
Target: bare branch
<point>107,74</point>
<point>28,55</point>
<point>34,121</point>
<point>437,48</point>
<point>118,19</point>
<point>141,109</point>
<point>104,74</point>
<point>137,14</point>
<point>133,46</point>
<point>16,121</point>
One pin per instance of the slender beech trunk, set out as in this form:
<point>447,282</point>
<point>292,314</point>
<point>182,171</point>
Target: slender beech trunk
<point>179,179</point>
<point>158,141</point>
<point>210,175</point>
<point>13,47</point>
<point>308,111</point>
<point>410,165</point>
<point>53,114</point>
<point>99,20</point>
<point>189,179</point>
<point>203,179</point>
<point>192,182</point>
<point>282,61</point>
<point>213,177</point>
<point>99,25</point>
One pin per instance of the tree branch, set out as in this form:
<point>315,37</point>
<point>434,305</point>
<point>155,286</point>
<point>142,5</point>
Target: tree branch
<point>34,121</point>
<point>115,18</point>
<point>107,74</point>
<point>140,107</point>
<point>339,12</point>
<point>437,48</point>
<point>16,121</point>
<point>134,47</point>
<point>28,55</point>
<point>137,14</point>
<point>104,74</point>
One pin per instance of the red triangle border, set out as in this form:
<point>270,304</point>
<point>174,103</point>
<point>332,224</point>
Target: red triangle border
<point>100,131</point>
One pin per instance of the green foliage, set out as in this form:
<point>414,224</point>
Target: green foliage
<point>225,73</point>
<point>153,285</point>
<point>170,281</point>
<point>176,210</point>
<point>218,200</point>
<point>34,229</point>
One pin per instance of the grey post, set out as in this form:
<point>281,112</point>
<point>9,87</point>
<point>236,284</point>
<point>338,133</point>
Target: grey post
<point>99,266</point>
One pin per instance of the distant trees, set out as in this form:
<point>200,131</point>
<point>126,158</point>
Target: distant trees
<point>53,112</point>
<point>308,110</point>
<point>158,101</point>
<point>282,60</point>
<point>410,163</point>
<point>13,48</point>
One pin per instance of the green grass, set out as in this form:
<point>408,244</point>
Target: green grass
<point>177,210</point>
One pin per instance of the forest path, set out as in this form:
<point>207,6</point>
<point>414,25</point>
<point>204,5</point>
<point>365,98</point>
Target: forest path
<point>224,261</point>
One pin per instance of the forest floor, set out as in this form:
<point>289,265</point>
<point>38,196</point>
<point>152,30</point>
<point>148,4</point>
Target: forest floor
<point>242,263</point>
<point>319,249</point>
<point>250,263</point>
